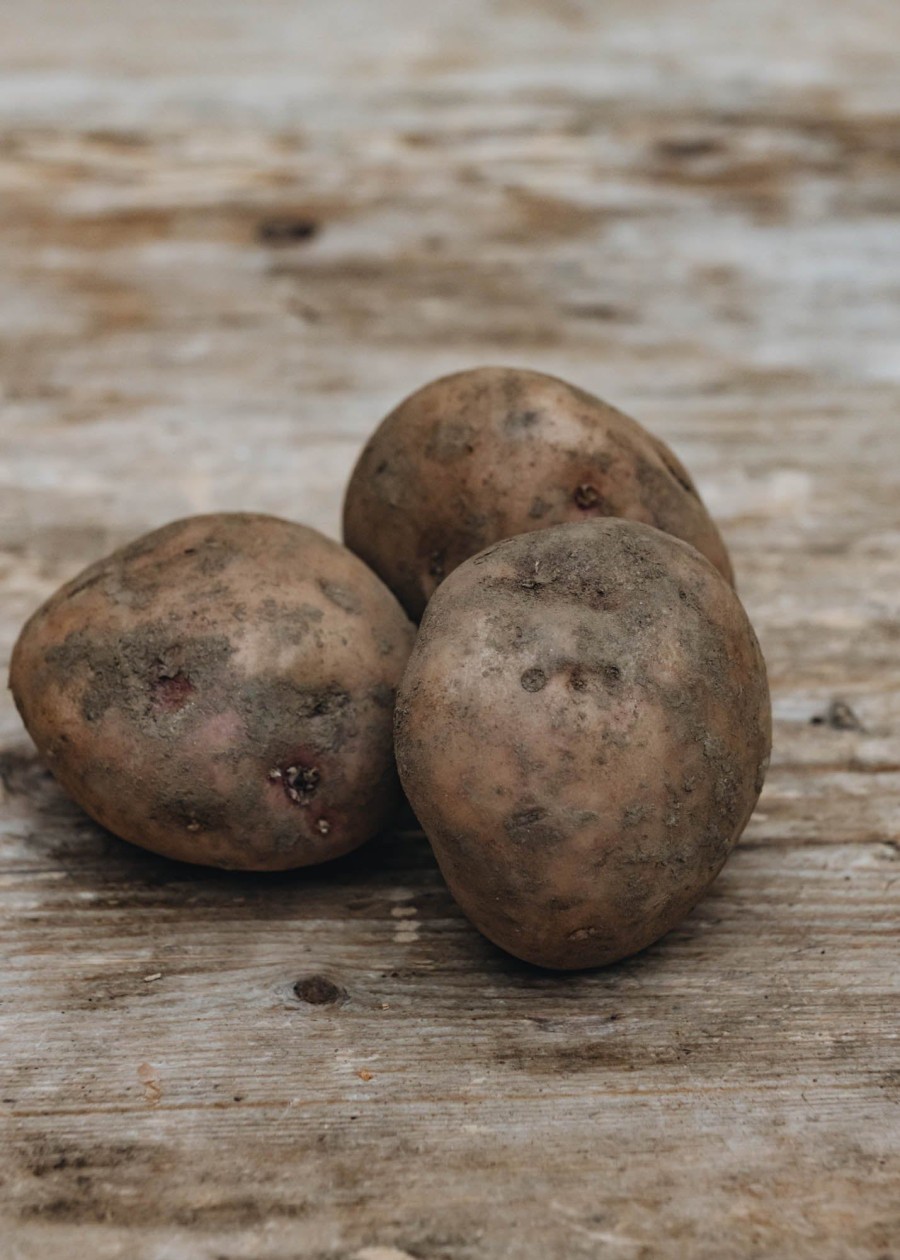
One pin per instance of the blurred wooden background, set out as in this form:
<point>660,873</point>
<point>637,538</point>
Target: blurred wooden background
<point>231,236</point>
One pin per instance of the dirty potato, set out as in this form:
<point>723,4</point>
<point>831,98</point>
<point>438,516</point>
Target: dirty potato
<point>582,730</point>
<point>221,691</point>
<point>486,454</point>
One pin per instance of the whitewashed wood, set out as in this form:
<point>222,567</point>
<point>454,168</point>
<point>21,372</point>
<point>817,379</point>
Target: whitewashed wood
<point>690,209</point>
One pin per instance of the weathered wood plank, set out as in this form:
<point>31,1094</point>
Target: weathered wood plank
<point>770,1013</point>
<point>232,236</point>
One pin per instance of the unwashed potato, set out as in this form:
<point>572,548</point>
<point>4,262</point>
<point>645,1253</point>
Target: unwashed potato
<point>486,454</point>
<point>221,691</point>
<point>582,730</point>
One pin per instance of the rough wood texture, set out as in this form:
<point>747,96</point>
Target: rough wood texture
<point>232,235</point>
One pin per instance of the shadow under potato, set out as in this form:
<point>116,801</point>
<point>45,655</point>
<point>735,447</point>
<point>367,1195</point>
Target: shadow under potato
<point>64,832</point>
<point>123,877</point>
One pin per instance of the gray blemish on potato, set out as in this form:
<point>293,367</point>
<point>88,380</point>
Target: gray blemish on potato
<point>383,696</point>
<point>635,813</point>
<point>530,826</point>
<point>289,623</point>
<point>196,809</point>
<point>125,671</point>
<point>213,558</point>
<point>533,679</point>
<point>341,596</point>
<point>517,423</point>
<point>291,712</point>
<point>450,441</point>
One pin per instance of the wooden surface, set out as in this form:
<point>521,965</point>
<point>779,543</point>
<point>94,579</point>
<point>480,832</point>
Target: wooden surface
<point>231,236</point>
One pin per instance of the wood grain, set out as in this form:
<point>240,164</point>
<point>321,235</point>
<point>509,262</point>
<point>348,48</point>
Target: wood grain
<point>231,237</point>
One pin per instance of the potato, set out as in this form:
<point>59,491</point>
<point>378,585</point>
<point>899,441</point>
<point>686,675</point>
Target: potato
<point>582,730</point>
<point>490,453</point>
<point>221,691</point>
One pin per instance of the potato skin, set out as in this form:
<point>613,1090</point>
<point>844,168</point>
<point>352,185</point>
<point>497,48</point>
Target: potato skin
<point>490,453</point>
<point>583,730</point>
<point>221,691</point>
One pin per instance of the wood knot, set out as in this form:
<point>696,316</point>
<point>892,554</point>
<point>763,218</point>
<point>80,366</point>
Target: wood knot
<point>286,230</point>
<point>319,991</point>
